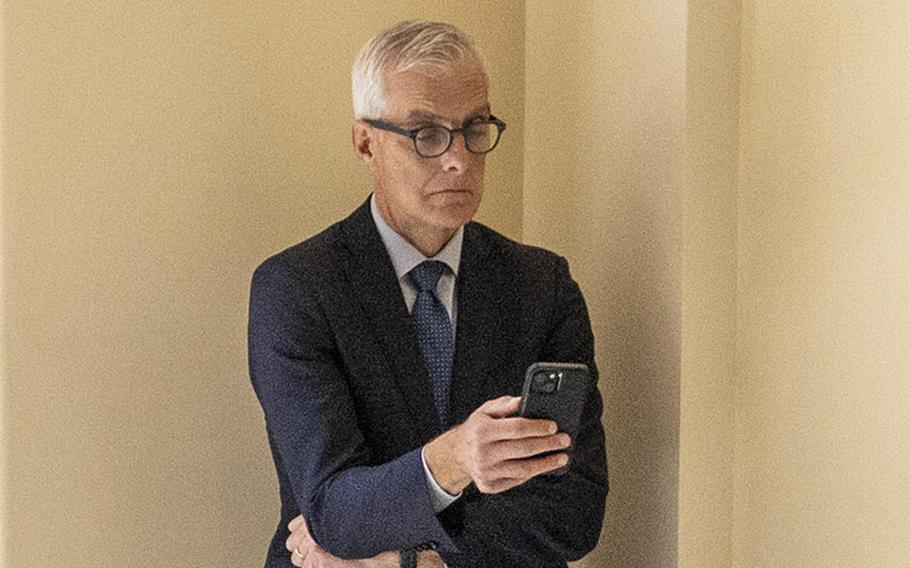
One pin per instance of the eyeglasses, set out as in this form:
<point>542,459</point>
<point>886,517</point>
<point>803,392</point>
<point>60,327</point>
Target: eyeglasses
<point>434,140</point>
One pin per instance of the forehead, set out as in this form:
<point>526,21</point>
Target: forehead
<point>452,95</point>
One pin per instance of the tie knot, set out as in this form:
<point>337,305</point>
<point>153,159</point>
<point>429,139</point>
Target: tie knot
<point>426,274</point>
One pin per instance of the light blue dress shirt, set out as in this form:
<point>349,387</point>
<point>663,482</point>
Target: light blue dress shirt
<point>405,256</point>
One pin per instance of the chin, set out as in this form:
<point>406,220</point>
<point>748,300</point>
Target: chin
<point>453,216</point>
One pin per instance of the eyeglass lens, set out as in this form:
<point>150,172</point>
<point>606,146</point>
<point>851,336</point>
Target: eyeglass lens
<point>479,138</point>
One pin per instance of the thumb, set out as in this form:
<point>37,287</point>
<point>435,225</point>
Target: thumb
<point>501,407</point>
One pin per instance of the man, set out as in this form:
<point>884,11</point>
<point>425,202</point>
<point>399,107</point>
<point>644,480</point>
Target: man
<point>388,350</point>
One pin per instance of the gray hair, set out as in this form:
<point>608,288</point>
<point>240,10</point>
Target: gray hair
<point>421,46</point>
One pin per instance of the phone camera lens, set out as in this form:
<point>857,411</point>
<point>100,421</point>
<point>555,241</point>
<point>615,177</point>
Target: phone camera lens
<point>545,382</point>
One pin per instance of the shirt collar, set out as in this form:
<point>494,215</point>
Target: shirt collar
<point>404,255</point>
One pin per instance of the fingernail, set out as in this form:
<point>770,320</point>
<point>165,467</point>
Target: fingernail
<point>565,440</point>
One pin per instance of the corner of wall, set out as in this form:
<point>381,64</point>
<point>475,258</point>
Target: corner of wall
<point>3,330</point>
<point>707,382</point>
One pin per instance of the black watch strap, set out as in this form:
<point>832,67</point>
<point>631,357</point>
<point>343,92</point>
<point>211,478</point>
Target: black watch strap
<point>408,558</point>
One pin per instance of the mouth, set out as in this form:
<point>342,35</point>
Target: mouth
<point>451,190</point>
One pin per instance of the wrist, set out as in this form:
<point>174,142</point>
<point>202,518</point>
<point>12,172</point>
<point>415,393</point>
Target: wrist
<point>442,460</point>
<point>389,559</point>
<point>429,559</point>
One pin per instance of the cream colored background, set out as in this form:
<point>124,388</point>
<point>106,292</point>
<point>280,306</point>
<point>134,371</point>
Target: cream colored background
<point>822,473</point>
<point>730,181</point>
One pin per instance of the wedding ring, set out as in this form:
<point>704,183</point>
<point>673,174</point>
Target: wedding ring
<point>297,551</point>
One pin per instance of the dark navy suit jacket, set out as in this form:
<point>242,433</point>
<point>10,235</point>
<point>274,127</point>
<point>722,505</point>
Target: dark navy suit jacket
<point>336,366</point>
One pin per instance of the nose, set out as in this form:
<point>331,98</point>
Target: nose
<point>455,159</point>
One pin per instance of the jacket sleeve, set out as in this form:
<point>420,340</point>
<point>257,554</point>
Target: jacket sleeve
<point>353,509</point>
<point>550,519</point>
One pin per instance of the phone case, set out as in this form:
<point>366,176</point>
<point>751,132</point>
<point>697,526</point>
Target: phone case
<point>556,391</point>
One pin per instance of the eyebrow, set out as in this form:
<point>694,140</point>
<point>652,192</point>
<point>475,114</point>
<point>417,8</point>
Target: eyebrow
<point>427,116</point>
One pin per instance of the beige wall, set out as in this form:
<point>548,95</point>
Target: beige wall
<point>153,153</point>
<point>708,272</point>
<point>823,286</point>
<point>604,175</point>
<point>3,355</point>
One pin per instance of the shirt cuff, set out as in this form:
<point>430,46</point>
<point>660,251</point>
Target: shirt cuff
<point>439,497</point>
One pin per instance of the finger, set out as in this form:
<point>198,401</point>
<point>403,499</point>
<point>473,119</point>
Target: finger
<point>299,555</point>
<point>501,407</point>
<point>298,541</point>
<point>528,468</point>
<point>517,427</point>
<point>294,540</point>
<point>297,522</point>
<point>528,447</point>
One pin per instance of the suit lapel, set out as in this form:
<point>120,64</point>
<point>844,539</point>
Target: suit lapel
<point>372,278</point>
<point>477,331</point>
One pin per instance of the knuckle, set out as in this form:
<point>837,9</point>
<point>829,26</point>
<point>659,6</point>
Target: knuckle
<point>486,455</point>
<point>539,428</point>
<point>508,484</point>
<point>517,469</point>
<point>493,487</point>
<point>554,443</point>
<point>544,427</point>
<point>526,447</point>
<point>478,455</point>
<point>537,446</point>
<point>558,460</point>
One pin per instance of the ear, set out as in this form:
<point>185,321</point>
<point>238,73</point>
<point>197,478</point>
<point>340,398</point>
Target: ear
<point>362,139</point>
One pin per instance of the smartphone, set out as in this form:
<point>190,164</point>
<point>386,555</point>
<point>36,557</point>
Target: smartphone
<point>556,391</point>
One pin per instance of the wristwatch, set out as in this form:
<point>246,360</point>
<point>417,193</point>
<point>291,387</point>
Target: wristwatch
<point>408,559</point>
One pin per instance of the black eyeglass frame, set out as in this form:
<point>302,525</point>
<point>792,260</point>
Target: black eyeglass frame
<point>412,134</point>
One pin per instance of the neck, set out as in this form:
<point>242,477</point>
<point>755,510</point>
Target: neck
<point>429,243</point>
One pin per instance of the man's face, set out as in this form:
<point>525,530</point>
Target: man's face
<point>429,196</point>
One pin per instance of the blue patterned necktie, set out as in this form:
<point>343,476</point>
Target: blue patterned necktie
<point>434,332</point>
